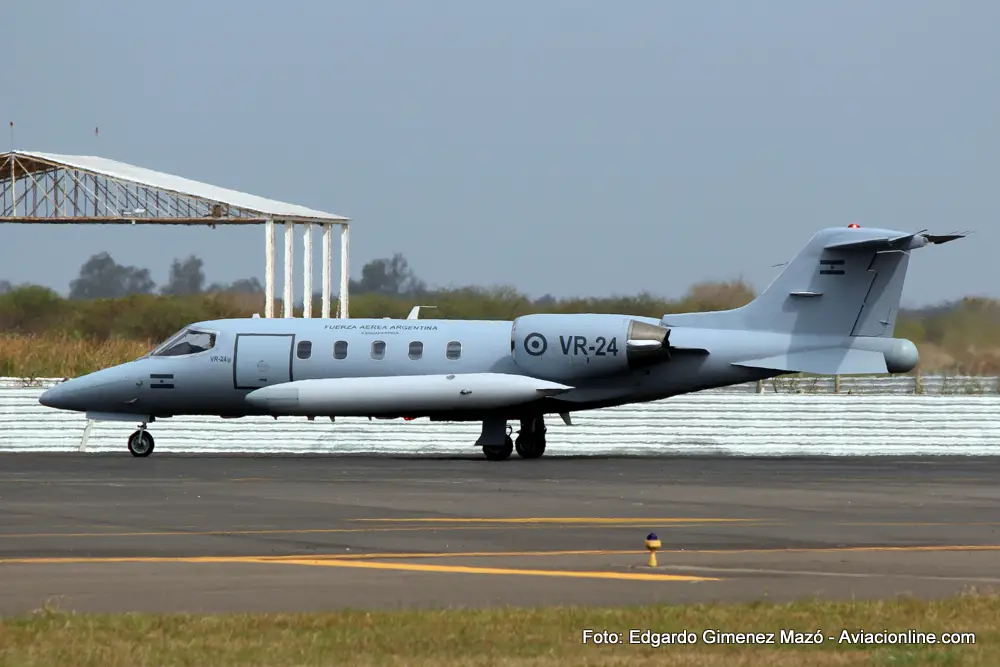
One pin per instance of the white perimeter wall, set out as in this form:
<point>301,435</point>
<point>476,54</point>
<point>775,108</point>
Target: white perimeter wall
<point>869,416</point>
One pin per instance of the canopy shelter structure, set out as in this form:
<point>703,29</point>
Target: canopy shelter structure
<point>44,188</point>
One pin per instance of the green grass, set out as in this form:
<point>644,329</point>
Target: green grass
<point>544,637</point>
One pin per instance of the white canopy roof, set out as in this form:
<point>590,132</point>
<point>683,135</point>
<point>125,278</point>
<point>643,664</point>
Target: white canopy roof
<point>176,184</point>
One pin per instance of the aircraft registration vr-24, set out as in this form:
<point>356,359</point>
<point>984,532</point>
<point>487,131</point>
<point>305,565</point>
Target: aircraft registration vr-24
<point>831,310</point>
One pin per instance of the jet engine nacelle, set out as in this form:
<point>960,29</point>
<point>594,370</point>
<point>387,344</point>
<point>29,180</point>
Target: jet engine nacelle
<point>569,347</point>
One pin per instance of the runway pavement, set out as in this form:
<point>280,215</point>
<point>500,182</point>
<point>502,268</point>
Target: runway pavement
<point>285,533</point>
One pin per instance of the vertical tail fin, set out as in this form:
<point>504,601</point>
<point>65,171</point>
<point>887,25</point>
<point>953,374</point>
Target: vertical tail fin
<point>844,282</point>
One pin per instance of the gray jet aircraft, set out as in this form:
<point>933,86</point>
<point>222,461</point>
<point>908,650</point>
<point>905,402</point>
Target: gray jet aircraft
<point>832,310</point>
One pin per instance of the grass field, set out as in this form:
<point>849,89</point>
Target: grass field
<point>64,356</point>
<point>508,637</point>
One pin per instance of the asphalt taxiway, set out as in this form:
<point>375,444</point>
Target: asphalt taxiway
<point>302,533</point>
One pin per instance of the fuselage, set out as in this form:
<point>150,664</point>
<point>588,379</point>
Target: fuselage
<point>210,367</point>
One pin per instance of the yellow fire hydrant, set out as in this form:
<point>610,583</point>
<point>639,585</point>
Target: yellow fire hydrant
<point>652,543</point>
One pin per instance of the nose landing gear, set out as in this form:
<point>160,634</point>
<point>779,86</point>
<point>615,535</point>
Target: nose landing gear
<point>140,443</point>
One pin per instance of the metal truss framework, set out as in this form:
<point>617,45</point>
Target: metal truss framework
<point>39,188</point>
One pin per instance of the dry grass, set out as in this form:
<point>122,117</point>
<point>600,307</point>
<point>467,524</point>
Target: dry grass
<point>56,355</point>
<point>536,637</point>
<point>64,356</point>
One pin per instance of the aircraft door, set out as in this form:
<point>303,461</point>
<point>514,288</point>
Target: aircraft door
<point>261,360</point>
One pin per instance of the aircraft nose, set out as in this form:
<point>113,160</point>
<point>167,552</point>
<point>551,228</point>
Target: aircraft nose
<point>83,393</point>
<point>57,396</point>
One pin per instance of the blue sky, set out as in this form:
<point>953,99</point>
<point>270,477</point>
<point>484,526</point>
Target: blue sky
<point>572,148</point>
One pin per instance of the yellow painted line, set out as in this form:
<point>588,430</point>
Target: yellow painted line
<point>594,520</point>
<point>463,569</point>
<point>325,559</point>
<point>465,554</point>
<point>320,558</point>
<point>269,559</point>
<point>360,564</point>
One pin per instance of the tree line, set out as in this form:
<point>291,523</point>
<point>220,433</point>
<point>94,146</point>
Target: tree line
<point>101,277</point>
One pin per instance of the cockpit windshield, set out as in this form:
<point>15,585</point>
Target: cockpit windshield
<point>186,341</point>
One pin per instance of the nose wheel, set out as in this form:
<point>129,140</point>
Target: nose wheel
<point>140,443</point>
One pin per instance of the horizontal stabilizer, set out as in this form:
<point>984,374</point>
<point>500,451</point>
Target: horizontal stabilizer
<point>884,241</point>
<point>829,361</point>
<point>874,243</point>
<point>944,238</point>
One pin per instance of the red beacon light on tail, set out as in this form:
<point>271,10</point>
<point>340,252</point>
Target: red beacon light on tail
<point>854,225</point>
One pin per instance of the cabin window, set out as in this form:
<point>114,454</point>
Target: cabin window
<point>188,341</point>
<point>304,349</point>
<point>454,350</point>
<point>416,350</point>
<point>340,349</point>
<point>378,350</point>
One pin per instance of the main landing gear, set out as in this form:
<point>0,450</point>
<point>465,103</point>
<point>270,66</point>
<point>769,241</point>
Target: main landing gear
<point>530,443</point>
<point>140,443</point>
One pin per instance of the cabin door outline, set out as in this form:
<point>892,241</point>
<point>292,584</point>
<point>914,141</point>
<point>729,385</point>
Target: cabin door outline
<point>262,360</point>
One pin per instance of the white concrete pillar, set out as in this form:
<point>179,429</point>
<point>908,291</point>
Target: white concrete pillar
<point>269,268</point>
<point>345,274</point>
<point>307,271</point>
<point>327,251</point>
<point>287,310</point>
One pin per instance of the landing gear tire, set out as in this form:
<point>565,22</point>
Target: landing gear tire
<point>140,443</point>
<point>531,441</point>
<point>499,452</point>
<point>530,450</point>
